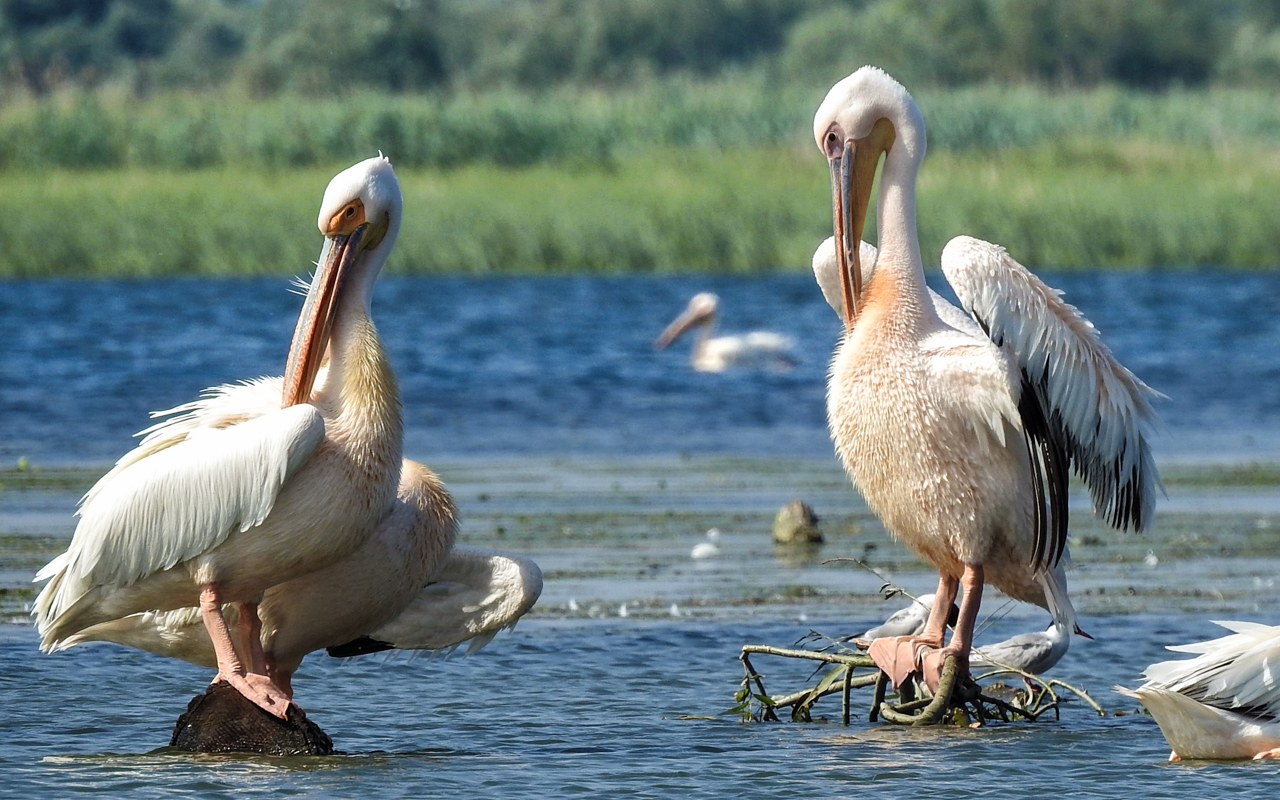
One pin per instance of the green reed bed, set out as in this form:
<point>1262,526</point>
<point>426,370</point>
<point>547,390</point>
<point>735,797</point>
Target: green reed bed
<point>575,127</point>
<point>1075,203</point>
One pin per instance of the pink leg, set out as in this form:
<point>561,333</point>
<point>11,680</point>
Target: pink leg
<point>936,628</point>
<point>962,640</point>
<point>251,637</point>
<point>284,679</point>
<point>257,688</point>
<point>1268,754</point>
<point>899,656</point>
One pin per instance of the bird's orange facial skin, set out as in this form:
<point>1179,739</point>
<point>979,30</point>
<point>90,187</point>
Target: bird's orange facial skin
<point>348,218</point>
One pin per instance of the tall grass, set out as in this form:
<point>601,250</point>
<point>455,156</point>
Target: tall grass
<point>591,129</point>
<point>1077,203</point>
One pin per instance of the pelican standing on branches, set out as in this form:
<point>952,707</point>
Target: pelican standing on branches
<point>961,436</point>
<point>220,511</point>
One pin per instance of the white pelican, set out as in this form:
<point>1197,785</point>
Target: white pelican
<point>1046,647</point>
<point>718,353</point>
<point>960,436</point>
<point>218,508</point>
<point>1225,702</point>
<point>407,588</point>
<point>475,594</point>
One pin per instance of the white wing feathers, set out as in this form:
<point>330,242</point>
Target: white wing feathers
<point>218,407</point>
<point>476,594</point>
<point>1240,671</point>
<point>1100,409</point>
<point>181,497</point>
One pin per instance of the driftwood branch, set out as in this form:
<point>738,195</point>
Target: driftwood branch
<point>960,699</point>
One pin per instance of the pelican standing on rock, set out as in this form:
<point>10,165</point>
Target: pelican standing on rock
<point>221,510</point>
<point>1225,702</point>
<point>408,588</point>
<point>961,437</point>
<point>718,353</point>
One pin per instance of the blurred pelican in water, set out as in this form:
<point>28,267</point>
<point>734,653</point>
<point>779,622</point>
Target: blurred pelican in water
<point>215,508</point>
<point>960,432</point>
<point>1225,702</point>
<point>718,353</point>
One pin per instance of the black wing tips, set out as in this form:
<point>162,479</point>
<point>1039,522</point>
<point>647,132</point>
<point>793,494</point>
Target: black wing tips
<point>1050,468</point>
<point>359,647</point>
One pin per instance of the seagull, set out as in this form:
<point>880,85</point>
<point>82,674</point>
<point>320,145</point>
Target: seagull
<point>709,548</point>
<point>1225,702</point>
<point>1033,652</point>
<point>907,621</point>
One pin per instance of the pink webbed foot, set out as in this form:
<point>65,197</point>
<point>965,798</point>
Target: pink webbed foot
<point>1274,753</point>
<point>899,656</point>
<point>1173,756</point>
<point>259,690</point>
<point>931,665</point>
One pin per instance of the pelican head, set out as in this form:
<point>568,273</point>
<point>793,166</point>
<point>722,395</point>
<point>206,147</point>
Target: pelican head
<point>700,311</point>
<point>863,116</point>
<point>360,218</point>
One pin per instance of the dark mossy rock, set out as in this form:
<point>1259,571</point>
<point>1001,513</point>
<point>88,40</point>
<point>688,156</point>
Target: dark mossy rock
<point>796,524</point>
<point>223,721</point>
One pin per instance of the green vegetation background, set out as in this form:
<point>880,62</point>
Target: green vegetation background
<point>143,137</point>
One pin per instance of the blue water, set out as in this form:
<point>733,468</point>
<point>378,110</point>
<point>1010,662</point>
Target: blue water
<point>558,414</point>
<point>567,365</point>
<point>589,711</point>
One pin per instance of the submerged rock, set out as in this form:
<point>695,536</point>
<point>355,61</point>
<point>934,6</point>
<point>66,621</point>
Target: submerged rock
<point>796,524</point>
<point>221,720</point>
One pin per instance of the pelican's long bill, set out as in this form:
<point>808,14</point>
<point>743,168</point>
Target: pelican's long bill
<point>690,317</point>
<point>853,172</point>
<point>311,337</point>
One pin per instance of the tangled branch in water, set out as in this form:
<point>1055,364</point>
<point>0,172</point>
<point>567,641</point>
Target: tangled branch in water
<point>960,699</point>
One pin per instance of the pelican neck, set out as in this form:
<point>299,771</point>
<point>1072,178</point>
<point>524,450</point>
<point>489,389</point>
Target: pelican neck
<point>898,242</point>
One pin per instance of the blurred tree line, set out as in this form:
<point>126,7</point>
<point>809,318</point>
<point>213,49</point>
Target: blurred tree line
<point>322,46</point>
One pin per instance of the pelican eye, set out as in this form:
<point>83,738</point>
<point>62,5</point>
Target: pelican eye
<point>347,219</point>
<point>832,144</point>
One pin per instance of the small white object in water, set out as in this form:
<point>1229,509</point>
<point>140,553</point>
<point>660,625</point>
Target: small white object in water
<point>709,548</point>
<point>1151,559</point>
<point>675,610</point>
<point>573,604</point>
<point>622,610</point>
